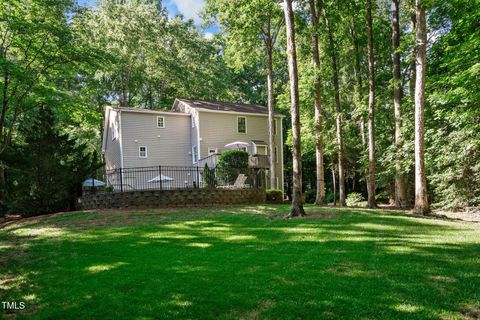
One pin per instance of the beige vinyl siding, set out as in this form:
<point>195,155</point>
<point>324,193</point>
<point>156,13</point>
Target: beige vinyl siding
<point>169,146</point>
<point>112,147</point>
<point>218,129</point>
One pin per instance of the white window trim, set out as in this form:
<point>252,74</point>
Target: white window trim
<point>194,154</point>
<point>212,149</point>
<point>140,153</point>
<point>163,117</point>
<point>246,130</point>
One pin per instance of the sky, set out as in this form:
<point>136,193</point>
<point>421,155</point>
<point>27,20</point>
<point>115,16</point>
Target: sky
<point>190,9</point>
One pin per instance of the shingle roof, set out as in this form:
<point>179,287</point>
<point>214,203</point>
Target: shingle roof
<point>227,106</point>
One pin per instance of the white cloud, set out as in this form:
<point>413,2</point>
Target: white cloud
<point>208,35</point>
<point>190,8</point>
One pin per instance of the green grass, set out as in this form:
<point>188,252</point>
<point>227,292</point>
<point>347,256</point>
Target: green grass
<point>241,262</point>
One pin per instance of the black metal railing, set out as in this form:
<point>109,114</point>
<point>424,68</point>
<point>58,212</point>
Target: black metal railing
<point>172,178</point>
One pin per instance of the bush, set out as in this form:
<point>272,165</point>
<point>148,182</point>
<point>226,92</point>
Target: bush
<point>231,163</point>
<point>209,179</point>
<point>310,195</point>
<point>329,197</point>
<point>274,196</point>
<point>354,198</point>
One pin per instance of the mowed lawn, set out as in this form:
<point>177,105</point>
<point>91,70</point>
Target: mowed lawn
<point>241,262</point>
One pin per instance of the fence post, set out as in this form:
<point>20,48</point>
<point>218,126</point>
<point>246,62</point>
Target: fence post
<point>121,180</point>
<point>160,176</point>
<point>198,178</point>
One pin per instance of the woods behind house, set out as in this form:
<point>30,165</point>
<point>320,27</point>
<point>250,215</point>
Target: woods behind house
<point>381,97</point>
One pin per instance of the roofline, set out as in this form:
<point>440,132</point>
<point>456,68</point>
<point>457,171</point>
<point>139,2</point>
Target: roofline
<point>133,110</point>
<point>177,100</point>
<point>200,109</point>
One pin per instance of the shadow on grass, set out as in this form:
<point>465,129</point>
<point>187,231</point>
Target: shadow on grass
<point>243,262</point>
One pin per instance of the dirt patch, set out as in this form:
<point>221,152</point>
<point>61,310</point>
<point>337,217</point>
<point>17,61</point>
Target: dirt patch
<point>471,312</point>
<point>468,215</point>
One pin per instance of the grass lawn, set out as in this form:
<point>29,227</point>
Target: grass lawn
<point>241,263</point>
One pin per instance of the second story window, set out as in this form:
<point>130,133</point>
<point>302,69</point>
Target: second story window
<point>160,122</point>
<point>241,124</point>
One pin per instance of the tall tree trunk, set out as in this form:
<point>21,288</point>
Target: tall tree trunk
<point>358,85</point>
<point>338,110</point>
<point>421,195</point>
<point>371,111</point>
<point>297,201</point>
<point>271,118</point>
<point>400,188</point>
<point>334,183</point>
<point>317,87</point>
<point>413,75</point>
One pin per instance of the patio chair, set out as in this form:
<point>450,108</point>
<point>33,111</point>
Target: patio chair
<point>240,182</point>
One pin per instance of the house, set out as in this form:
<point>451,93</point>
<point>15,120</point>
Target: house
<point>192,133</point>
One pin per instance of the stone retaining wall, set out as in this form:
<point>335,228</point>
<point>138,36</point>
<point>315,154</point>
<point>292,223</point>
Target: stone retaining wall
<point>170,198</point>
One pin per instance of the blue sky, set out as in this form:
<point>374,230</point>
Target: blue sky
<point>189,8</point>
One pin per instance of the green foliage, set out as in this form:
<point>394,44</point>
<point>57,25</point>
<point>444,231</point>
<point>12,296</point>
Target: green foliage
<point>209,178</point>
<point>310,195</point>
<point>231,163</point>
<point>48,169</point>
<point>274,196</point>
<point>353,199</point>
<point>454,116</point>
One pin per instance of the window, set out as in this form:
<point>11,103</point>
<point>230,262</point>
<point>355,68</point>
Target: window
<point>160,122</point>
<point>241,124</point>
<point>194,154</point>
<point>276,154</point>
<point>262,150</point>
<point>142,152</point>
<point>113,127</point>
<point>212,151</point>
<point>275,127</point>
<point>114,132</point>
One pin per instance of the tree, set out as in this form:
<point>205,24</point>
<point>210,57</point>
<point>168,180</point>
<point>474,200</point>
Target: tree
<point>421,196</point>
<point>297,201</point>
<point>400,188</point>
<point>454,116</point>
<point>35,42</point>
<point>371,111</point>
<point>49,166</point>
<point>258,25</point>
<point>317,87</point>
<point>338,110</point>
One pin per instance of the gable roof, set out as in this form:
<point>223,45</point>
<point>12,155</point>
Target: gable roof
<point>227,106</point>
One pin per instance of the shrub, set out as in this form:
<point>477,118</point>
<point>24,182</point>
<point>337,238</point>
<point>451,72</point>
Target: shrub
<point>329,197</point>
<point>231,163</point>
<point>274,196</point>
<point>310,195</point>
<point>354,198</point>
<point>209,179</point>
